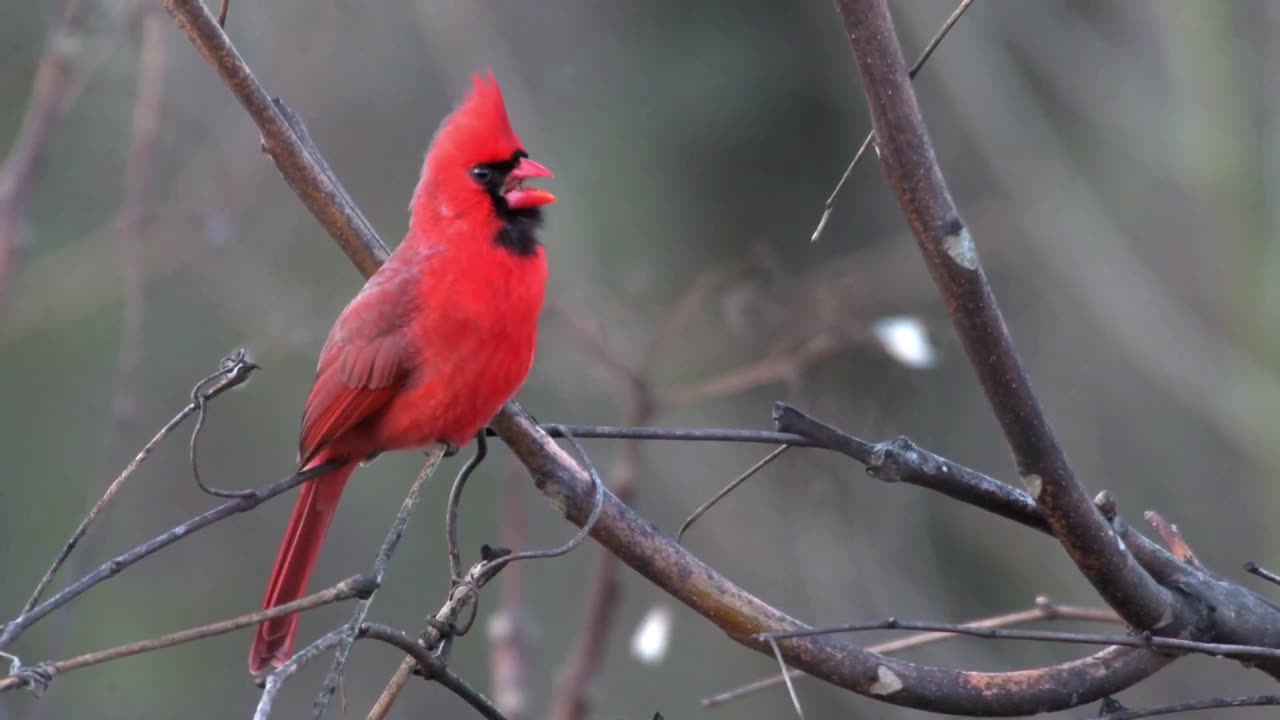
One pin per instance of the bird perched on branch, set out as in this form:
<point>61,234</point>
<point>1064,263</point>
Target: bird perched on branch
<point>437,340</point>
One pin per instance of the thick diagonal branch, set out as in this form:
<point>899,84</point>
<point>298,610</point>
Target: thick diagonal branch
<point>907,158</point>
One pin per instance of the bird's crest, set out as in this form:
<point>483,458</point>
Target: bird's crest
<point>478,130</point>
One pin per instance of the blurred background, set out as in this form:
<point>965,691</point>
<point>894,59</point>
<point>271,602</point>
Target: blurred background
<point>1116,163</point>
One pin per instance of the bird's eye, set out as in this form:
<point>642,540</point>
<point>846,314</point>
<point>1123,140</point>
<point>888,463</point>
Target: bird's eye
<point>482,173</point>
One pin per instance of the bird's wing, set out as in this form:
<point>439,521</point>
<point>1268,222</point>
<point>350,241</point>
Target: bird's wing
<point>364,361</point>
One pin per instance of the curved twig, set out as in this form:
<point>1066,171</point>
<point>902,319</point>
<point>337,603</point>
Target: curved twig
<point>233,370</point>
<point>116,565</point>
<point>455,499</point>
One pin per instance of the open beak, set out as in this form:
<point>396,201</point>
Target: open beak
<point>519,197</point>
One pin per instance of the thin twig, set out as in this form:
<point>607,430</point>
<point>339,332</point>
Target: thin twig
<point>200,402</point>
<point>573,542</point>
<point>704,507</point>
<point>455,499</point>
<point>433,668</point>
<point>678,434</point>
<point>232,371</point>
<point>1044,609</point>
<point>866,143</point>
<point>987,633</point>
<point>1254,569</point>
<point>116,565</point>
<point>380,564</point>
<point>786,677</point>
<point>355,586</point>
<point>276,679</point>
<point>1218,703</point>
<point>465,593</point>
<point>303,170</point>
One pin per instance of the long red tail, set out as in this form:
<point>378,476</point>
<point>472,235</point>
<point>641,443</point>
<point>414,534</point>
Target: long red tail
<point>273,641</point>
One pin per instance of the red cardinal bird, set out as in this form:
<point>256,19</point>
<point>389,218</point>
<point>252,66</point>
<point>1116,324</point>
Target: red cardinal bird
<point>437,340</point>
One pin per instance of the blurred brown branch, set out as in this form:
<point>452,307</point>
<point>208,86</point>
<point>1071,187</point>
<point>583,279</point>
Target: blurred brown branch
<point>508,628</point>
<point>50,93</point>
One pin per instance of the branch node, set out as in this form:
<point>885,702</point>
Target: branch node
<point>1106,504</point>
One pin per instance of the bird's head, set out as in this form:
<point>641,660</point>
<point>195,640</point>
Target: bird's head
<point>476,164</point>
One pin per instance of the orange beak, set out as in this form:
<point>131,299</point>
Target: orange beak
<point>519,197</point>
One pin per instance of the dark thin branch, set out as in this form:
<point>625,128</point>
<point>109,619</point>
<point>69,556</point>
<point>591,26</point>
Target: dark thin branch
<point>465,593</point>
<point>433,668</point>
<point>232,371</point>
<point>356,586</point>
<point>1219,703</point>
<point>746,475</point>
<point>988,633</point>
<point>275,681</point>
<point>907,158</point>
<point>455,500</point>
<point>113,567</point>
<point>380,564</point>
<point>678,434</point>
<point>1043,610</point>
<point>866,142</point>
<point>1254,569</point>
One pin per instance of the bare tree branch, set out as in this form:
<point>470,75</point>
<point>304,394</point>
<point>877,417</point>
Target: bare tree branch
<point>232,371</point>
<point>508,626</point>
<point>600,606</point>
<point>355,586</point>
<point>1043,610</point>
<point>116,565</point>
<point>433,668</point>
<point>907,158</point>
<point>988,633</point>
<point>742,616</point>
<point>380,564</point>
<point>1209,704</point>
<point>309,177</point>
<point>48,103</point>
